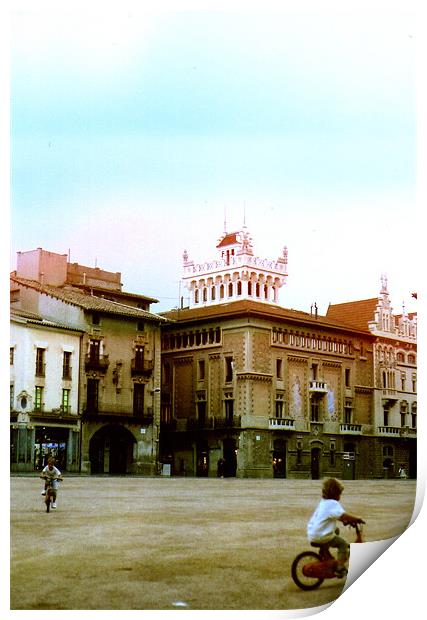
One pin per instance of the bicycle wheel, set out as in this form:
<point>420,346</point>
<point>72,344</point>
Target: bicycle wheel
<point>303,582</point>
<point>47,500</point>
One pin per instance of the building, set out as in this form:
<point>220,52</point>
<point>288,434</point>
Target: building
<point>44,380</point>
<point>395,379</point>
<point>119,366</point>
<point>257,390</point>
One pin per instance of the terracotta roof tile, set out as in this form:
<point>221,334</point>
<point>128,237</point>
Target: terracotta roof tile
<point>228,239</point>
<point>253,308</point>
<point>357,314</point>
<point>89,302</point>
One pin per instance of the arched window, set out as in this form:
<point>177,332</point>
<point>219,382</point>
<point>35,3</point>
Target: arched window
<point>239,288</point>
<point>230,289</point>
<point>196,296</point>
<point>249,288</point>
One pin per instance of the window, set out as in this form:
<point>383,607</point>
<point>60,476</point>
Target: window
<point>38,398</point>
<point>201,369</point>
<point>332,454</point>
<point>228,369</point>
<point>348,411</point>
<point>403,381</point>
<point>213,293</point>
<point>229,410</point>
<point>40,365</point>
<point>12,396</point>
<point>414,415</point>
<point>138,398</point>
<point>66,365</point>
<point>140,326</point>
<point>95,318</point>
<point>65,405</point>
<point>92,395</point>
<point>230,289</point>
<point>386,416</point>
<point>139,357</point>
<point>196,296</point>
<point>94,350</point>
<point>411,359</point>
<point>279,406</point>
<point>347,377</point>
<point>12,355</point>
<point>279,368</point>
<point>166,373</point>
<point>314,371</point>
<point>314,409</point>
<point>388,451</point>
<point>201,413</point>
<point>414,382</point>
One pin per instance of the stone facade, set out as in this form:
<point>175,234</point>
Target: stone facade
<point>117,369</point>
<point>279,389</point>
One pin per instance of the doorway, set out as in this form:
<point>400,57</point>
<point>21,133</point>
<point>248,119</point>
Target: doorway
<point>230,458</point>
<point>111,450</point>
<point>279,458</point>
<point>315,463</point>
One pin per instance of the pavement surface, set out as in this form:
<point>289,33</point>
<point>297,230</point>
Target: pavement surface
<point>125,543</point>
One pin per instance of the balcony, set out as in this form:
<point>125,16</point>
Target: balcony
<point>228,422</point>
<point>351,429</point>
<point>389,431</point>
<point>111,412</point>
<point>200,423</point>
<point>140,368</point>
<point>319,387</point>
<point>99,363</point>
<point>389,394</point>
<point>281,424</point>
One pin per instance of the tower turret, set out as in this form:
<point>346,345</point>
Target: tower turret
<point>235,274</point>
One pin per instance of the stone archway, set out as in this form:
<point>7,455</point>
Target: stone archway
<point>111,450</point>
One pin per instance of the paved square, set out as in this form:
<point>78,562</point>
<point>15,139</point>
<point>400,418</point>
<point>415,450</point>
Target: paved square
<point>170,543</point>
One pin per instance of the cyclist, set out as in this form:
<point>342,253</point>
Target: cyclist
<point>50,472</point>
<point>321,527</point>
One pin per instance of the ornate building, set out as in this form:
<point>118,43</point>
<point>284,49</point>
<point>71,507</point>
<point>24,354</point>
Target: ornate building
<point>252,389</point>
<point>395,378</point>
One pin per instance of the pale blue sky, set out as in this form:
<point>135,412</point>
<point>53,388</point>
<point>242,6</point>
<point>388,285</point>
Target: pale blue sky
<point>133,132</point>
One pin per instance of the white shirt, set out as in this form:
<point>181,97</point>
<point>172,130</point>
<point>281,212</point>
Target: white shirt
<point>52,473</point>
<point>321,526</point>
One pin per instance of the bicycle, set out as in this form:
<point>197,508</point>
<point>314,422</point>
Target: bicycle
<point>50,492</point>
<point>310,569</point>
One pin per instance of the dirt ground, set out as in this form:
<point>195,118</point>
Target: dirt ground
<point>179,543</point>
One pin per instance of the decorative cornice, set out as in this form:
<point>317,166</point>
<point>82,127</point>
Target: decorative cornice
<point>183,360</point>
<point>363,389</point>
<point>254,376</point>
<point>297,359</point>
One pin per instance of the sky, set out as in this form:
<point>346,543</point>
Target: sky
<point>136,134</point>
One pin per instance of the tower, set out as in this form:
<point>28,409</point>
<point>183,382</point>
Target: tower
<point>235,274</point>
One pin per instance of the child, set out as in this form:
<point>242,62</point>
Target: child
<point>50,471</point>
<point>322,524</point>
